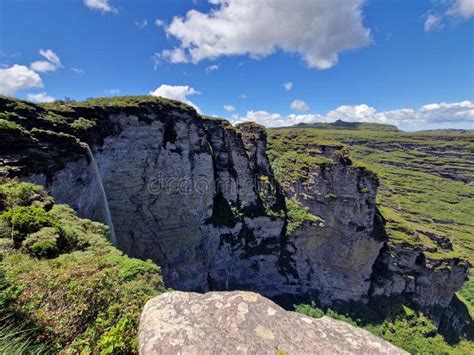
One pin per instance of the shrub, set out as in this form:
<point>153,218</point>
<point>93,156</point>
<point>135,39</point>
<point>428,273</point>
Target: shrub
<point>297,215</point>
<point>14,193</point>
<point>82,124</point>
<point>42,244</point>
<point>24,220</point>
<point>406,328</point>
<point>8,292</point>
<point>61,276</point>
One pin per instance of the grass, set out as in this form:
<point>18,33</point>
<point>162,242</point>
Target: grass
<point>297,216</point>
<point>421,201</point>
<point>404,327</point>
<point>342,125</point>
<point>117,102</point>
<point>425,195</point>
<point>19,341</point>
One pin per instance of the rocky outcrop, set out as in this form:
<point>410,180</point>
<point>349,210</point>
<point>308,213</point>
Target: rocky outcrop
<point>245,323</point>
<point>404,270</point>
<point>335,258</point>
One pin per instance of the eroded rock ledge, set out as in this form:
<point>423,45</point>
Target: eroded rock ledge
<point>245,323</point>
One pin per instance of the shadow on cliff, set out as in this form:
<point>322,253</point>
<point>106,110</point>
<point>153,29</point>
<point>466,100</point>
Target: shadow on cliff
<point>453,322</point>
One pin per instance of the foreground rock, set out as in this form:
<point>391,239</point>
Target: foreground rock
<point>245,323</point>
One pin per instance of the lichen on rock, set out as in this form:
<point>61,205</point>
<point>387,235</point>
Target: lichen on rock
<point>245,323</point>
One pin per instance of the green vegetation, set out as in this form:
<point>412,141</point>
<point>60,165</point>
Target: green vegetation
<point>19,341</point>
<point>425,195</point>
<point>425,179</point>
<point>294,155</point>
<point>297,216</point>
<point>403,326</point>
<point>82,124</point>
<point>122,102</point>
<point>364,126</point>
<point>63,286</point>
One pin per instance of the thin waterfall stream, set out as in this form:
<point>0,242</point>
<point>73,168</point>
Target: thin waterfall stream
<point>105,202</point>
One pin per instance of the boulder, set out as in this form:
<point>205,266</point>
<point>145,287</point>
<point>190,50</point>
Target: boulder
<point>245,323</point>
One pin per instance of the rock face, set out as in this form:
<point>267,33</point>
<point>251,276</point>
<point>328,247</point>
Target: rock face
<point>198,196</point>
<point>245,323</point>
<point>335,258</point>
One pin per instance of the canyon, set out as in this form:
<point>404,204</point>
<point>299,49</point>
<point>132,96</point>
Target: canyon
<point>199,197</point>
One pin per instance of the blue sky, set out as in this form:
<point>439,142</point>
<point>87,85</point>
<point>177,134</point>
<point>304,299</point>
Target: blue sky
<point>403,62</point>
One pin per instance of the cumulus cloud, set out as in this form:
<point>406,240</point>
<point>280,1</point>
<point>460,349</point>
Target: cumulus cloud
<point>446,10</point>
<point>288,86</point>
<point>100,5</point>
<point>317,30</point>
<point>178,92</point>
<point>229,108</point>
<point>299,105</point>
<point>457,114</point>
<point>51,63</point>
<point>463,8</point>
<point>40,97</point>
<point>18,77</point>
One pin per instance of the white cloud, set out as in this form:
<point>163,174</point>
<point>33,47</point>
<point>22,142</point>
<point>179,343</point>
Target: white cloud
<point>299,105</point>
<point>156,60</point>
<point>177,55</point>
<point>229,108</point>
<point>463,8</point>
<point>435,115</point>
<point>212,68</point>
<point>159,23</point>
<point>18,77</point>
<point>178,92</point>
<point>433,22</point>
<point>78,71</point>
<point>141,24</point>
<point>275,119</point>
<point>51,63</point>
<point>447,10</point>
<point>318,30</point>
<point>40,97</point>
<point>100,5</point>
<point>288,86</point>
<point>358,113</point>
<point>112,91</point>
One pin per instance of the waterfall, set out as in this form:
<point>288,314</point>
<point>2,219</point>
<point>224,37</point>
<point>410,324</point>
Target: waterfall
<point>103,197</point>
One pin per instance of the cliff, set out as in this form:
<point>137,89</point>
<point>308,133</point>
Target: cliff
<point>201,199</point>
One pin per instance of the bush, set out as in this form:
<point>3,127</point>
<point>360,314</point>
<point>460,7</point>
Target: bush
<point>24,220</point>
<point>407,329</point>
<point>82,124</point>
<point>297,216</point>
<point>62,277</point>
<point>14,193</point>
<point>42,244</point>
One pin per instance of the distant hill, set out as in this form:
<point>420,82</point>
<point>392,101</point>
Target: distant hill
<point>343,125</point>
<point>448,130</point>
